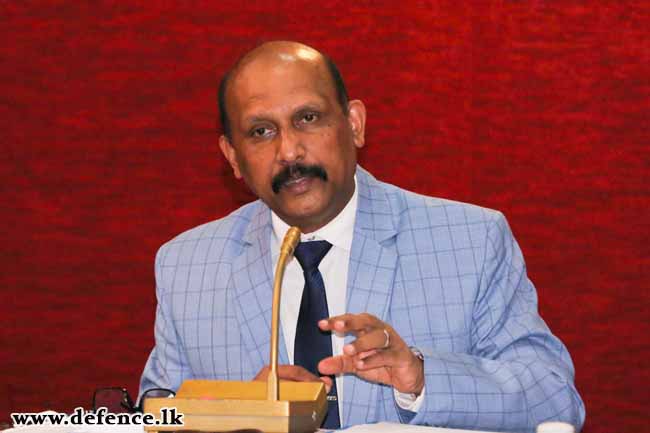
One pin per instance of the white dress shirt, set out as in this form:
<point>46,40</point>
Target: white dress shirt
<point>334,269</point>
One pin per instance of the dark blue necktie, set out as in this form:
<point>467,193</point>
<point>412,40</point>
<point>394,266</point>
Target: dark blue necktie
<point>312,345</point>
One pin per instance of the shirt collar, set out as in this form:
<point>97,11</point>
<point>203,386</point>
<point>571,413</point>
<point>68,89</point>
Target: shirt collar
<point>337,232</point>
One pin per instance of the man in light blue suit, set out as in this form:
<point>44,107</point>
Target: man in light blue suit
<point>434,320</point>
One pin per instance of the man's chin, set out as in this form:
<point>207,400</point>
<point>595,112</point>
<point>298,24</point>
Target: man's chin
<point>303,211</point>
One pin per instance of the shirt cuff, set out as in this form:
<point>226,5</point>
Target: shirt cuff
<point>409,401</point>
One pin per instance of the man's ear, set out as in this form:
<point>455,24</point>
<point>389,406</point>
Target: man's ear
<point>229,153</point>
<point>357,119</point>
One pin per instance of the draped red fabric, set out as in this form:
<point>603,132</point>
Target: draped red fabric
<point>108,131</point>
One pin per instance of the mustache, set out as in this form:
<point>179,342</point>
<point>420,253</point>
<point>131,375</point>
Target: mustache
<point>294,171</point>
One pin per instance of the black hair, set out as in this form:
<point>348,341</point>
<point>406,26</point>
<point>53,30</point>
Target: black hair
<point>335,74</point>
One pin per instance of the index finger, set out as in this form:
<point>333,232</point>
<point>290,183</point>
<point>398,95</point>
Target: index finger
<point>355,323</point>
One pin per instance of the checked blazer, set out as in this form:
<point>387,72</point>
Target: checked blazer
<point>448,276</point>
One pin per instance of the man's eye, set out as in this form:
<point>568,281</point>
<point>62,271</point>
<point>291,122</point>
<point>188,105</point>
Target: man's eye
<point>260,132</point>
<point>310,117</point>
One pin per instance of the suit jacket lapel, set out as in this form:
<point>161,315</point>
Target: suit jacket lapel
<point>371,274</point>
<point>252,285</point>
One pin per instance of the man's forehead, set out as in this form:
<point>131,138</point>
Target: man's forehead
<point>283,76</point>
<point>300,64</point>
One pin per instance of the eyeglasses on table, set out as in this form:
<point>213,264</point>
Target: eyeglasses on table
<point>118,400</point>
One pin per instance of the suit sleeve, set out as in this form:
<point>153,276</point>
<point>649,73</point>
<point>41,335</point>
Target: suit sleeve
<point>167,366</point>
<point>517,374</point>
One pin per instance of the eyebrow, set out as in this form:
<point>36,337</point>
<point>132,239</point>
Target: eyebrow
<point>310,106</point>
<point>254,119</point>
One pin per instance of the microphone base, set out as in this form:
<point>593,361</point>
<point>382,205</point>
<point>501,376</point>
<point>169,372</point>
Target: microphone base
<point>210,405</point>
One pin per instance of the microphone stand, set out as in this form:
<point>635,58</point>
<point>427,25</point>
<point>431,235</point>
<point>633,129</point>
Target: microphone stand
<point>289,244</point>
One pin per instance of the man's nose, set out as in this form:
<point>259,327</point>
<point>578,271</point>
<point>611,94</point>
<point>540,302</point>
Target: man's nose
<point>290,147</point>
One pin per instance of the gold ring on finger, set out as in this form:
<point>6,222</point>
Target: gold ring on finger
<point>387,343</point>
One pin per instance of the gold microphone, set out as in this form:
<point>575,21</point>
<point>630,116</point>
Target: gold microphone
<point>289,244</point>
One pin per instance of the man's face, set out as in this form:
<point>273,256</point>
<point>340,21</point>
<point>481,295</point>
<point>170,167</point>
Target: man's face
<point>284,116</point>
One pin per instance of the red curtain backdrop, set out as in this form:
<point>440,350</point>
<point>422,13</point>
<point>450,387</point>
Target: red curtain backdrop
<point>108,128</point>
